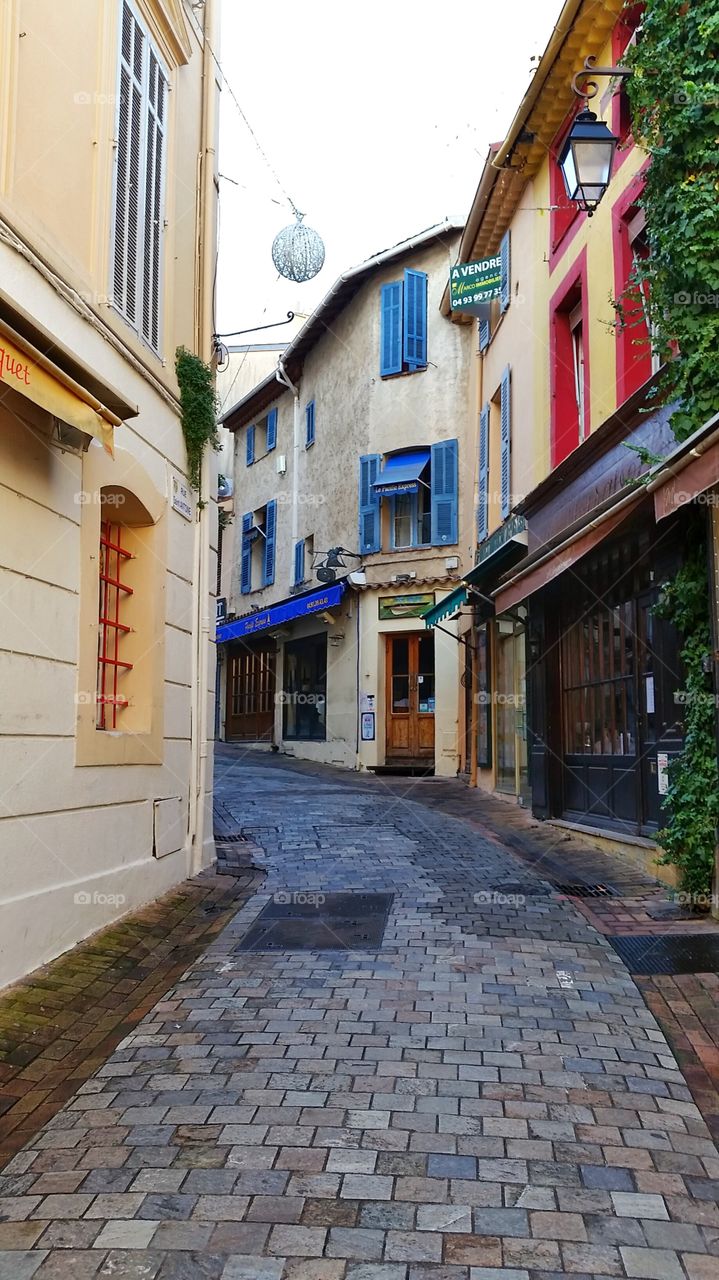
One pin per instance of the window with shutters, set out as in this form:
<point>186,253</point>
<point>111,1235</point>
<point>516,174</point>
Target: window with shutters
<point>569,361</point>
<point>637,354</point>
<point>488,324</point>
<point>261,437</point>
<point>138,225</point>
<point>257,550</point>
<point>422,514</point>
<point>310,424</point>
<point>403,325</point>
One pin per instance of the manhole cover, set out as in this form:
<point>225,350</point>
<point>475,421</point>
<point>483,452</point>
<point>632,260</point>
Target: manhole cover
<point>586,890</point>
<point>313,921</point>
<point>668,953</point>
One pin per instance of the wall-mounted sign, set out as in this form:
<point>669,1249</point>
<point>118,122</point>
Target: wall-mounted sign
<point>221,604</point>
<point>181,496</point>
<point>473,285</point>
<point>368,726</point>
<point>513,530</point>
<point>407,606</point>
<point>367,702</point>
<point>662,772</point>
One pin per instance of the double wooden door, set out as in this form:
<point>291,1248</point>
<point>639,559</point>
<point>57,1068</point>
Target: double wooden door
<point>250,710</point>
<point>410,698</point>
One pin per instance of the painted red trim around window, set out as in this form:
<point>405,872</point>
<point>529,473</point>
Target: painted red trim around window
<point>564,221</point>
<point>634,363</point>
<point>564,424</point>
<point>623,31</point>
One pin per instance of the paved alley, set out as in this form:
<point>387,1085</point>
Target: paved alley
<point>485,1095</point>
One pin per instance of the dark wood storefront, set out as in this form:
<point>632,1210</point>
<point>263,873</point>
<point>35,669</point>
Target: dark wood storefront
<point>250,702</point>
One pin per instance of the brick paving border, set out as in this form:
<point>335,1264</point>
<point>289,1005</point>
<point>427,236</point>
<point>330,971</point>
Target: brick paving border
<point>62,1022</point>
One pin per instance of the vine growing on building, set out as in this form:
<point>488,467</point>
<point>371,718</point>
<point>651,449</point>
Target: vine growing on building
<point>693,796</point>
<point>674,96</point>
<point>198,403</point>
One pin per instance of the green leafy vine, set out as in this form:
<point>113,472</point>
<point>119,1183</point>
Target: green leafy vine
<point>198,403</point>
<point>692,800</point>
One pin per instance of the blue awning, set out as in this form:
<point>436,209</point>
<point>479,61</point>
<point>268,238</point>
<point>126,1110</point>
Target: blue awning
<point>286,611</point>
<point>401,472</point>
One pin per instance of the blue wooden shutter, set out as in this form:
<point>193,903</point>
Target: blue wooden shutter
<point>369,505</point>
<point>483,495</point>
<point>250,457</point>
<point>444,492</point>
<point>506,439</point>
<point>506,282</point>
<point>310,424</point>
<point>246,572</point>
<point>390,344</point>
<point>268,576</point>
<point>299,562</point>
<point>483,335</point>
<point>271,429</point>
<point>415,319</point>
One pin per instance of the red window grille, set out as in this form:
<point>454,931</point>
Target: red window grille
<point>113,593</point>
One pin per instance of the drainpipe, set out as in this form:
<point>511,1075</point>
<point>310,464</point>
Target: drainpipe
<point>282,376</point>
<point>200,855</point>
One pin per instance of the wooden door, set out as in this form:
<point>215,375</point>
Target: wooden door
<point>250,712</point>
<point>410,697</point>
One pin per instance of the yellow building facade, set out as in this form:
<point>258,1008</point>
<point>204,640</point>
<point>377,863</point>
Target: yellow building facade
<point>108,117</point>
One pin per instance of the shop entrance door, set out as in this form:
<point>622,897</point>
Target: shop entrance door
<point>409,698</point>
<point>250,711</point>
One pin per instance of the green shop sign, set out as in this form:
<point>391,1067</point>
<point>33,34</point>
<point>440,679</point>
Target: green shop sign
<point>473,285</point>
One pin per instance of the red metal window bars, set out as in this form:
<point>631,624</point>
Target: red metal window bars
<point>113,593</point>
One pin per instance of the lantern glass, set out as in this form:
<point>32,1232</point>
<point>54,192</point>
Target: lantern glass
<point>586,160</point>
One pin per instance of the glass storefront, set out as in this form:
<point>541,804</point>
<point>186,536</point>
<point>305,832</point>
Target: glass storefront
<point>305,689</point>
<point>511,707</point>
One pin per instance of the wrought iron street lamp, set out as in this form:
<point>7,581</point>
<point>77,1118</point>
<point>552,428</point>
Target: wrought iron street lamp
<point>587,155</point>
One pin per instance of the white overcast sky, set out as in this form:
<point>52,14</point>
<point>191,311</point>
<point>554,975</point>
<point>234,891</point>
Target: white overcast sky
<point>375,117</point>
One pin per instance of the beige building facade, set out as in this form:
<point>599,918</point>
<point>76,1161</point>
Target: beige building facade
<point>360,440</point>
<point>107,246</point>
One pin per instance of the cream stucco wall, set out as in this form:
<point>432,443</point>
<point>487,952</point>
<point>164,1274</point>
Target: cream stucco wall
<point>78,805</point>
<point>357,412</point>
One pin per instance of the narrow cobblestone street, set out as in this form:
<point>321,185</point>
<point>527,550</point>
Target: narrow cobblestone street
<point>485,1095</point>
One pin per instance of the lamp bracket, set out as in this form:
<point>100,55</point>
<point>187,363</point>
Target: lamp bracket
<point>590,69</point>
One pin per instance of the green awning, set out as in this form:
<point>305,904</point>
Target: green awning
<point>446,608</point>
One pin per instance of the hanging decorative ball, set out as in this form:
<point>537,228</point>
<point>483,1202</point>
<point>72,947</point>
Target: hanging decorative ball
<point>298,252</point>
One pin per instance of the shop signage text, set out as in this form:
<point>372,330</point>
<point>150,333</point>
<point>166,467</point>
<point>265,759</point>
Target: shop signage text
<point>473,285</point>
<point>511,528</point>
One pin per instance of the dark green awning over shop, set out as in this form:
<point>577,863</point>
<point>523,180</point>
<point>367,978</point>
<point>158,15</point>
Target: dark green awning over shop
<point>446,608</point>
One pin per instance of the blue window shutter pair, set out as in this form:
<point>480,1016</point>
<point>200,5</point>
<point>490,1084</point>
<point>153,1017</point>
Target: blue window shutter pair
<point>483,335</point>
<point>505,281</point>
<point>369,505</point>
<point>483,495</point>
<point>250,446</point>
<point>506,442</point>
<point>268,570</point>
<point>390,359</point>
<point>246,558</point>
<point>444,492</point>
<point>271,429</point>
<point>310,424</point>
<point>415,319</point>
<point>299,562</point>
<point>403,324</point>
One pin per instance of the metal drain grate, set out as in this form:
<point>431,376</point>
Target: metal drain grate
<point>312,921</point>
<point>586,890</point>
<point>236,838</point>
<point>669,953</point>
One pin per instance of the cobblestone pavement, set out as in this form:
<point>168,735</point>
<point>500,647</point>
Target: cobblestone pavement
<point>486,1097</point>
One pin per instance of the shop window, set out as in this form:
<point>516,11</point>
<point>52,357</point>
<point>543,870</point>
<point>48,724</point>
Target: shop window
<point>305,689</point>
<point>598,655</point>
<point>140,161</point>
<point>569,366</point>
<point>403,325</point>
<point>484,695</point>
<point>114,593</point>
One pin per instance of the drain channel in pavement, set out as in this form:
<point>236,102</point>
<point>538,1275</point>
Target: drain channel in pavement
<point>668,953</point>
<point>307,920</point>
<point>586,890</point>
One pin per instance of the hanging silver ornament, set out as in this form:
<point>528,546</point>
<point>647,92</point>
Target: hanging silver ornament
<point>298,252</point>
